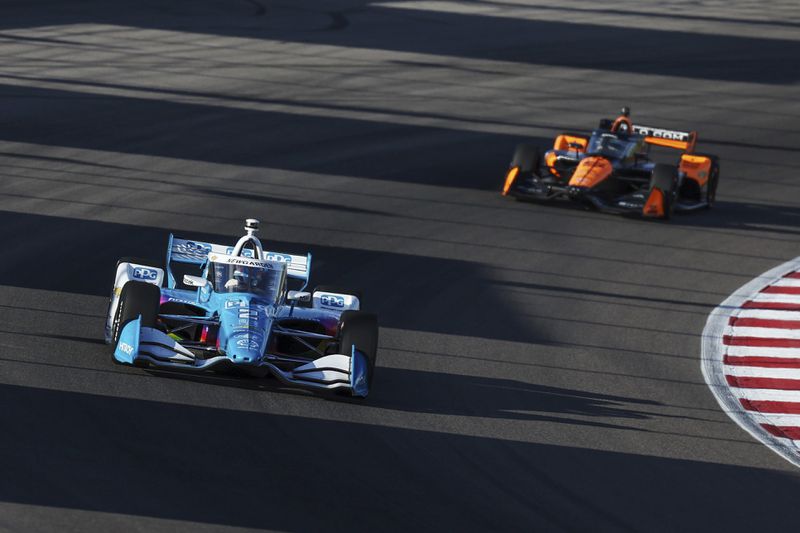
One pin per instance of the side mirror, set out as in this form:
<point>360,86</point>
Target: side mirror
<point>298,296</point>
<point>576,146</point>
<point>195,281</point>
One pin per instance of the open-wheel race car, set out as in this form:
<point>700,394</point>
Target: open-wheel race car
<point>234,311</point>
<point>611,170</point>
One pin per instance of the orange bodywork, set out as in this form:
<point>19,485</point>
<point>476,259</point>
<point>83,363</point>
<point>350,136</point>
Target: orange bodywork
<point>620,121</point>
<point>591,171</point>
<point>550,160</point>
<point>696,167</point>
<point>686,146</point>
<point>654,207</point>
<point>510,177</point>
<point>564,140</point>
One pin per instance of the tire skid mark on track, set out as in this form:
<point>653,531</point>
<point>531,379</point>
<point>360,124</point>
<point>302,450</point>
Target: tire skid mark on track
<point>751,358</point>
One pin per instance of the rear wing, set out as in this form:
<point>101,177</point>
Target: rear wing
<point>679,140</point>
<point>196,253</point>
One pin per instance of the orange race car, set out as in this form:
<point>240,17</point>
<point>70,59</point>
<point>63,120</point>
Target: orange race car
<point>612,170</point>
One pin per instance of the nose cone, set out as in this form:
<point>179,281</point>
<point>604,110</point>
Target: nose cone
<point>591,172</point>
<point>246,346</point>
<point>244,330</point>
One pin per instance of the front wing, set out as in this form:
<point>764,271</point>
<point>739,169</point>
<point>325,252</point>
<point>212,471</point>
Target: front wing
<point>531,188</point>
<point>335,372</point>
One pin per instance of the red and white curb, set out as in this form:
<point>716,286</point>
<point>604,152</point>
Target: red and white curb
<point>751,358</point>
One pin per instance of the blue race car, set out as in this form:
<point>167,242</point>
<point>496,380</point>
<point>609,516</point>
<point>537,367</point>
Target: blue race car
<point>234,311</point>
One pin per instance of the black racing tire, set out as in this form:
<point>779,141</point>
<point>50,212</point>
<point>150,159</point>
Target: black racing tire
<point>136,260</point>
<point>713,180</point>
<point>665,178</point>
<point>360,329</point>
<point>340,290</point>
<point>527,160</point>
<point>137,298</point>
<point>527,157</point>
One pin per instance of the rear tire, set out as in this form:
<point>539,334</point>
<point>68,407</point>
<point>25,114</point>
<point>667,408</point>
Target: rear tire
<point>137,298</point>
<point>665,179</point>
<point>713,180</point>
<point>360,329</point>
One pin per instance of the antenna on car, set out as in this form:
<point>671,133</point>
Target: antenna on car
<point>251,226</point>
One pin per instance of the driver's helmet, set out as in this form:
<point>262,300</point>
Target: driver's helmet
<point>240,279</point>
<point>256,278</point>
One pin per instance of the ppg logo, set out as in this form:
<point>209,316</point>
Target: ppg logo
<point>146,274</point>
<point>331,300</point>
<point>247,344</point>
<point>194,249</point>
<point>246,252</point>
<point>281,258</point>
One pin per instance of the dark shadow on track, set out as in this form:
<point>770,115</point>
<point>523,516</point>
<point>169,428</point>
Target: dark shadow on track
<point>665,302</point>
<point>779,220</point>
<point>650,14</point>
<point>309,204</point>
<point>268,140</point>
<point>363,24</point>
<point>499,398</point>
<point>226,467</point>
<point>85,252</point>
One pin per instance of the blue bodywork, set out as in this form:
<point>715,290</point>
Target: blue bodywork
<point>241,330</point>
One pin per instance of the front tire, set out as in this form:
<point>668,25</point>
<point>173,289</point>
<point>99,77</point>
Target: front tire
<point>137,298</point>
<point>665,179</point>
<point>526,162</point>
<point>135,260</point>
<point>360,329</point>
<point>527,158</point>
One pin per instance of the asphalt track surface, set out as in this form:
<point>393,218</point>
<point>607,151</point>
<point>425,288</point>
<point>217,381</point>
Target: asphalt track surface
<point>539,364</point>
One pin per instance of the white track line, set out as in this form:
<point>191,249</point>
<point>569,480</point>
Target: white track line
<point>765,333</point>
<point>740,371</point>
<point>771,297</point>
<point>787,282</point>
<point>714,370</point>
<point>769,314</point>
<point>767,395</point>
<point>782,420</point>
<point>758,351</point>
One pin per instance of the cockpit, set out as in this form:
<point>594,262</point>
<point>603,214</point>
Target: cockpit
<point>267,282</point>
<point>614,145</point>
